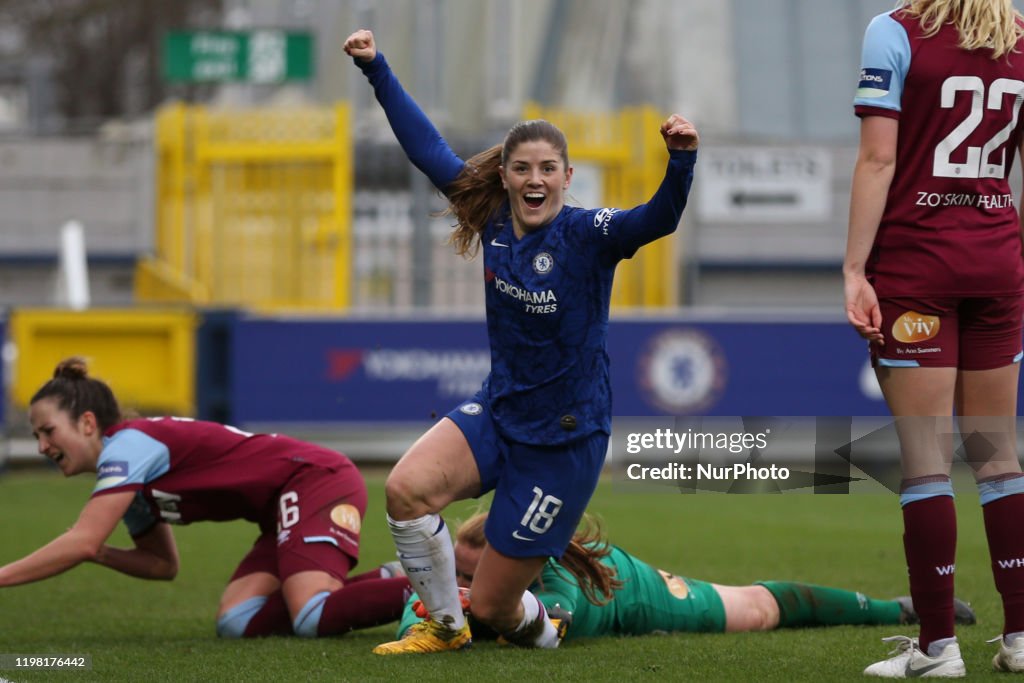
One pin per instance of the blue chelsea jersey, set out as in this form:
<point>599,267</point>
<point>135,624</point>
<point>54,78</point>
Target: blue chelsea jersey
<point>547,293</point>
<point>547,298</point>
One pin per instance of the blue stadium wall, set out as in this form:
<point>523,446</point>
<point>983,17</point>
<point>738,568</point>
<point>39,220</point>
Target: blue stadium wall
<point>368,371</point>
<point>253,370</point>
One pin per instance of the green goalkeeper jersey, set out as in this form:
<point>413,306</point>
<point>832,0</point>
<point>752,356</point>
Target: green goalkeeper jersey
<point>650,600</point>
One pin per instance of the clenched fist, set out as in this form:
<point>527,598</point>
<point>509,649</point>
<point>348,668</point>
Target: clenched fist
<point>361,46</point>
<point>679,133</point>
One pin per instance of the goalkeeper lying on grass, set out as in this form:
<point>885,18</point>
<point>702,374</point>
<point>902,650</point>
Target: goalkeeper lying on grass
<point>599,589</point>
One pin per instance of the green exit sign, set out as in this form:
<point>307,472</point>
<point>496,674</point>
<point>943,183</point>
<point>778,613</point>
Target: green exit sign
<point>266,56</point>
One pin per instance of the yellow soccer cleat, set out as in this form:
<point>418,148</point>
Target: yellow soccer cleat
<point>561,619</point>
<point>428,636</point>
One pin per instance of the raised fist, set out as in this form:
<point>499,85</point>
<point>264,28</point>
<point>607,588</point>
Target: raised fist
<point>361,46</point>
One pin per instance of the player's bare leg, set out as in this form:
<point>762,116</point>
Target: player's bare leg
<point>257,584</point>
<point>500,599</point>
<point>437,470</point>
<point>987,404</point>
<point>921,400</point>
<point>322,605</point>
<point>748,608</point>
<point>243,599</point>
<point>769,605</point>
<point>305,594</point>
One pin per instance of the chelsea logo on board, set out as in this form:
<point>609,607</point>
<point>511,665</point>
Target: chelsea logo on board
<point>682,371</point>
<point>542,263</point>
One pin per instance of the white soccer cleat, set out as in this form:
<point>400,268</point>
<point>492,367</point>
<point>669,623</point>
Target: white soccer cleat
<point>910,662</point>
<point>1009,657</point>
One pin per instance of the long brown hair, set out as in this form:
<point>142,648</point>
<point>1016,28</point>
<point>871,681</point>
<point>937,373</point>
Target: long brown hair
<point>76,392</point>
<point>582,559</point>
<point>993,24</point>
<point>477,194</point>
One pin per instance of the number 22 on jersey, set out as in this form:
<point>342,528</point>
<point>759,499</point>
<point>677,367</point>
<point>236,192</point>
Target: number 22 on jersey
<point>978,164</point>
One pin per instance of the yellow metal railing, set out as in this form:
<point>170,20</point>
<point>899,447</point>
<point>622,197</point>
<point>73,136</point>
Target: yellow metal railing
<point>254,208</point>
<point>148,356</point>
<point>631,155</point>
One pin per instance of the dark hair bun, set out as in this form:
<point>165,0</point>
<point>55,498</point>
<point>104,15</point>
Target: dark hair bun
<point>71,368</point>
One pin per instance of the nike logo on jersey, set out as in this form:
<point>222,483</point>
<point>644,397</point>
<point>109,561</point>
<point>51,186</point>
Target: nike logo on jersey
<point>516,534</point>
<point>496,243</point>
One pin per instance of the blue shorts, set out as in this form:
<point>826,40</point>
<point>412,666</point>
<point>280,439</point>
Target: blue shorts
<point>540,492</point>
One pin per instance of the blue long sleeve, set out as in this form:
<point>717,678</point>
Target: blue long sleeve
<point>658,217</point>
<point>420,140</point>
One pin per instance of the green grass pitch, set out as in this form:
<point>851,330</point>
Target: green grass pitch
<point>145,631</point>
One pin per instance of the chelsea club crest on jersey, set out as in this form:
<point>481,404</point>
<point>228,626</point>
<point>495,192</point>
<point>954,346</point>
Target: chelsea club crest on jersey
<point>542,263</point>
<point>472,408</point>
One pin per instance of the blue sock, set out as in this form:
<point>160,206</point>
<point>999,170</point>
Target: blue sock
<point>232,623</point>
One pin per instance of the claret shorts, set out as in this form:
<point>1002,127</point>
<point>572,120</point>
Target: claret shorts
<point>981,333</point>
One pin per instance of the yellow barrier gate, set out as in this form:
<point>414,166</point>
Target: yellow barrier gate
<point>631,154</point>
<point>254,209</point>
<point>147,356</point>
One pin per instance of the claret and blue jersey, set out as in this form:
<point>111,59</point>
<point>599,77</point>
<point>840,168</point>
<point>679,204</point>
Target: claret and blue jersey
<point>950,227</point>
<point>547,293</point>
<point>185,471</point>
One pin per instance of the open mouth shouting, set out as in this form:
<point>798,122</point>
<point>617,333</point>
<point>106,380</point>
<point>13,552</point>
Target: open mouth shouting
<point>534,200</point>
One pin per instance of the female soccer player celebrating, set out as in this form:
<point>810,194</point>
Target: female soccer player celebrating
<point>933,279</point>
<point>537,432</point>
<point>308,501</point>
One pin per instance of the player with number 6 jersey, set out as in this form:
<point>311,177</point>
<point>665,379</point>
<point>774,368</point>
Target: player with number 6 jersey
<point>307,501</point>
<point>933,279</point>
